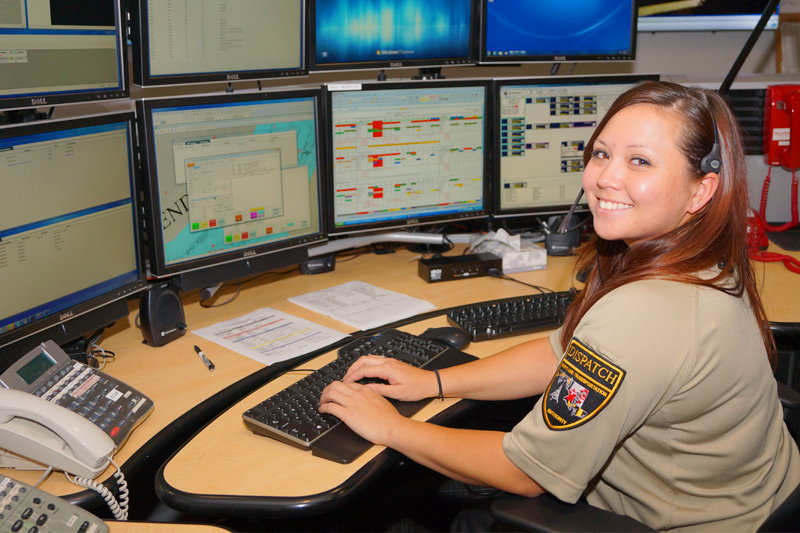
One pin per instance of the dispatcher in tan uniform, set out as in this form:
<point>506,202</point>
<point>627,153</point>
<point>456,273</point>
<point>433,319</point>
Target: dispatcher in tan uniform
<point>657,396</point>
<point>655,368</point>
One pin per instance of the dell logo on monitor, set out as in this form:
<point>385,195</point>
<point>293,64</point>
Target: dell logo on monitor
<point>560,58</point>
<point>396,64</point>
<point>65,316</point>
<point>38,101</point>
<point>233,76</point>
<point>412,221</point>
<point>249,253</point>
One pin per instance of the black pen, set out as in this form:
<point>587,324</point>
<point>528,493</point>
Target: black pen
<point>205,359</point>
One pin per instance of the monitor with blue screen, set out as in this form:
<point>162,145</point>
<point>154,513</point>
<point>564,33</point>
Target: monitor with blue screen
<point>69,239</point>
<point>60,51</point>
<point>353,34</point>
<point>233,183</point>
<point>407,153</point>
<point>516,31</point>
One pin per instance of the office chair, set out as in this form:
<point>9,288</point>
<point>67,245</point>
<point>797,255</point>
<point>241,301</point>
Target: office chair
<point>547,513</point>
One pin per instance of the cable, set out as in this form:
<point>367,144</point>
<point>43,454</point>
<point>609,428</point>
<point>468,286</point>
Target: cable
<point>44,476</point>
<point>120,511</point>
<point>493,272</point>
<point>771,257</point>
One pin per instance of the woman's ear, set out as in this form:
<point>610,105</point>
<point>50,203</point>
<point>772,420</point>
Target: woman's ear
<point>704,190</point>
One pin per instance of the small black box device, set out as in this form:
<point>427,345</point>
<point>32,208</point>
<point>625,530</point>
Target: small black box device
<point>459,267</point>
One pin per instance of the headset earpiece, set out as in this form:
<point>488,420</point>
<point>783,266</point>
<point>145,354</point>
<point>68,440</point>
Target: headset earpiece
<point>713,161</point>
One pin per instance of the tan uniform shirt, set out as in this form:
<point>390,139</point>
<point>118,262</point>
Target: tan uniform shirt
<point>664,408</point>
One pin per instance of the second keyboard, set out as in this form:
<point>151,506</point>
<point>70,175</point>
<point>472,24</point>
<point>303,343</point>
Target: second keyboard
<point>513,316</point>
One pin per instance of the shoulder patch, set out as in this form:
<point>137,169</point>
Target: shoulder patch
<point>583,385</point>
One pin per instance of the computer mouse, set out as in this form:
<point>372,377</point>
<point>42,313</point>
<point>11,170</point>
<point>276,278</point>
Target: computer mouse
<point>454,337</point>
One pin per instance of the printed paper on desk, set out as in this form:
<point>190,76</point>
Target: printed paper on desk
<point>362,305</point>
<point>270,336</point>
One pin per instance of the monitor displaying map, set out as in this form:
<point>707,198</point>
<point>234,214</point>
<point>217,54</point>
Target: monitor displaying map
<point>232,175</point>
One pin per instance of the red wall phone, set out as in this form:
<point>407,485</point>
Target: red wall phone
<point>781,142</point>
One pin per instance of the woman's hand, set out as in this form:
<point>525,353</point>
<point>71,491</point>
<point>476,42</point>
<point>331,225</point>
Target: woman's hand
<point>365,411</point>
<point>405,382</point>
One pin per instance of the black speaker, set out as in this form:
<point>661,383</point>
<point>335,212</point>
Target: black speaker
<point>161,315</point>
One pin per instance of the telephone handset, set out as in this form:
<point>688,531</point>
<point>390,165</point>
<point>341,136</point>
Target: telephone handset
<point>782,144</point>
<point>51,435</point>
<point>57,409</point>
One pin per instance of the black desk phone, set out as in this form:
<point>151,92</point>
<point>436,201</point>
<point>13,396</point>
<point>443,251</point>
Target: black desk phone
<point>60,412</point>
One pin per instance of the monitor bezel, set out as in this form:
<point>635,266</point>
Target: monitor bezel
<point>313,66</point>
<point>202,272</point>
<point>484,58</point>
<point>138,35</point>
<point>410,222</point>
<point>497,84</point>
<point>92,314</point>
<point>46,99</point>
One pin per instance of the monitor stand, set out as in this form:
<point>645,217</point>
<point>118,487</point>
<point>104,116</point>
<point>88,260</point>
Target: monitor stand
<point>431,73</point>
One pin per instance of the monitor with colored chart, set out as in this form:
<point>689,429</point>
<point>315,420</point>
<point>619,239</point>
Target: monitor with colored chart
<point>407,153</point>
<point>543,126</point>
<point>232,183</point>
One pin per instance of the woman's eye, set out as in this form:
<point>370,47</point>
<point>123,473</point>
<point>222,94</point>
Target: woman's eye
<point>599,154</point>
<point>640,161</point>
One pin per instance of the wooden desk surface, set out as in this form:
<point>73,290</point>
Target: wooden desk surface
<point>176,380</point>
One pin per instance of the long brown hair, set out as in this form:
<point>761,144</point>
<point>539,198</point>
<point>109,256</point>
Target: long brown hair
<point>714,236</point>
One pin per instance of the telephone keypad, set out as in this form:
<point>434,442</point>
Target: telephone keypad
<point>98,398</point>
<point>30,509</point>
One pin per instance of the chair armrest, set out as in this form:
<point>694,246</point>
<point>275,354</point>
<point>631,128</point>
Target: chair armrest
<point>788,396</point>
<point>547,513</point>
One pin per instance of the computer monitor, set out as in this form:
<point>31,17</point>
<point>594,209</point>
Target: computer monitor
<point>383,34</point>
<point>708,15</point>
<point>543,126</point>
<point>518,31</point>
<point>232,183</point>
<point>407,153</point>
<point>60,51</point>
<point>69,247</point>
<point>204,41</point>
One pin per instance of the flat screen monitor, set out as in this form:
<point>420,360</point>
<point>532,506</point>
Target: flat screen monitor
<point>232,184</point>
<point>407,153</point>
<point>203,41</point>
<point>519,31</point>
<point>382,34</point>
<point>544,125</point>
<point>61,51</point>
<point>69,246</point>
<point>702,15</point>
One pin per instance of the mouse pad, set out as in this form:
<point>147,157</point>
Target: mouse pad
<point>788,240</point>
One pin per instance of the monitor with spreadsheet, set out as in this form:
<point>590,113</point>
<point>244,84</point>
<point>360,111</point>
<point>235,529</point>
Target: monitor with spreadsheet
<point>204,41</point>
<point>518,31</point>
<point>381,34</point>
<point>59,51</point>
<point>543,125</point>
<point>407,153</point>
<point>232,183</point>
<point>69,246</point>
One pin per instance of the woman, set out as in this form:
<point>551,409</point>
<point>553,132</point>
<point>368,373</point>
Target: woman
<point>658,399</point>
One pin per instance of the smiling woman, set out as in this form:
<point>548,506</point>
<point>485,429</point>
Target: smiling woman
<point>657,396</point>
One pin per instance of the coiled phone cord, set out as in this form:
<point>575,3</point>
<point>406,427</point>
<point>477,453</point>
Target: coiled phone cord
<point>118,509</point>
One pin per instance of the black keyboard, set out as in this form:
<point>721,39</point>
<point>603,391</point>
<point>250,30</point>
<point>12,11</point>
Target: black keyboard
<point>513,316</point>
<point>292,415</point>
